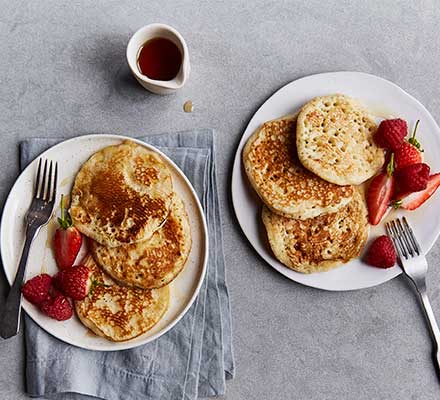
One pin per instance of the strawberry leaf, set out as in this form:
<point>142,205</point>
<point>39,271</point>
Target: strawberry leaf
<point>66,220</point>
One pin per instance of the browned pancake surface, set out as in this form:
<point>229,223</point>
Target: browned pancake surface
<point>122,194</point>
<point>120,313</point>
<point>320,243</point>
<point>154,262</point>
<point>285,186</point>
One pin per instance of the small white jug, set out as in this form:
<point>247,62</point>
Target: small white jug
<point>137,41</point>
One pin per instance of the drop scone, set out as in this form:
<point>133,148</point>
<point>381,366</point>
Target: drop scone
<point>120,313</point>
<point>321,243</point>
<point>151,263</point>
<point>121,195</point>
<point>284,185</point>
<point>335,140</point>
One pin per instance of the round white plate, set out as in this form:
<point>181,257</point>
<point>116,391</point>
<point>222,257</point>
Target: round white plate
<point>70,155</point>
<point>385,100</point>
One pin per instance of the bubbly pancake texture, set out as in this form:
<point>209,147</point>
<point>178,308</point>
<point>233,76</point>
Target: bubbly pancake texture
<point>284,185</point>
<point>120,313</point>
<point>335,140</point>
<point>154,262</point>
<point>122,194</point>
<point>320,243</point>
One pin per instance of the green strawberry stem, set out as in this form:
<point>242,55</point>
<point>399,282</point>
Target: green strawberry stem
<point>98,283</point>
<point>66,220</point>
<point>390,166</point>
<point>396,204</point>
<point>94,284</point>
<point>413,139</point>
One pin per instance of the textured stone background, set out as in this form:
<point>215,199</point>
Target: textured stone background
<point>63,73</point>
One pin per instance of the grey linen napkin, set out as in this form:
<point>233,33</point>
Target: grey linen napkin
<point>191,360</point>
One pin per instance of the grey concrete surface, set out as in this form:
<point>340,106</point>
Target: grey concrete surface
<point>63,73</point>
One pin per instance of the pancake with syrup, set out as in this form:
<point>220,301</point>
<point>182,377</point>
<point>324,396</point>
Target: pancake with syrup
<point>154,262</point>
<point>284,185</point>
<point>121,195</point>
<point>120,313</point>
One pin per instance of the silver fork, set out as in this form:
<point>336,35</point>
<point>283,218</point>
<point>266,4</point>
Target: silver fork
<point>415,267</point>
<point>37,216</point>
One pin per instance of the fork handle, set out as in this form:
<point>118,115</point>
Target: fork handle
<point>435,332</point>
<point>10,317</point>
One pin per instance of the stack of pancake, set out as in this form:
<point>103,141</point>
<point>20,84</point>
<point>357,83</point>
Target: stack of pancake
<point>305,168</point>
<point>123,201</point>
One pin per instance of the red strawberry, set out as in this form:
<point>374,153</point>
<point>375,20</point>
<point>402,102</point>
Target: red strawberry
<point>411,201</point>
<point>390,133</point>
<point>57,307</point>
<point>409,153</point>
<point>412,178</point>
<point>36,290</point>
<point>379,193</point>
<point>73,282</point>
<point>381,253</point>
<point>67,240</point>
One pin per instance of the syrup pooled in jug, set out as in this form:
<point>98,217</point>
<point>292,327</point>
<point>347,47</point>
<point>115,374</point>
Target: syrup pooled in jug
<point>159,59</point>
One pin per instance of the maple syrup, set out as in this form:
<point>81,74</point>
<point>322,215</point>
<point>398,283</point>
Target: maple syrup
<point>159,59</point>
<point>188,106</point>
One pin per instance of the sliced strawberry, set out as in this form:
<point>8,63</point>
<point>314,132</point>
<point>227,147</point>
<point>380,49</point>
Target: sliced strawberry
<point>74,282</point>
<point>411,201</point>
<point>67,240</point>
<point>409,152</point>
<point>380,193</point>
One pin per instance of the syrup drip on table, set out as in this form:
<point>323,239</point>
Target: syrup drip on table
<point>188,106</point>
<point>159,59</point>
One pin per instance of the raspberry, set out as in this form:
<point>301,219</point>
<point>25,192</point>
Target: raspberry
<point>36,290</point>
<point>390,133</point>
<point>58,308</point>
<point>381,253</point>
<point>413,178</point>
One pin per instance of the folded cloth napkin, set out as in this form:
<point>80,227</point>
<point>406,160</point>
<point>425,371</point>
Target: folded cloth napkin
<point>191,360</point>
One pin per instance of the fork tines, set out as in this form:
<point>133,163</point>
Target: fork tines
<point>46,181</point>
<point>403,237</point>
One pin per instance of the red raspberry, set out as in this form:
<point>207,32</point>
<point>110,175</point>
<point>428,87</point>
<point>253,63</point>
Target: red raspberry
<point>412,178</point>
<point>390,133</point>
<point>36,290</point>
<point>381,253</point>
<point>58,308</point>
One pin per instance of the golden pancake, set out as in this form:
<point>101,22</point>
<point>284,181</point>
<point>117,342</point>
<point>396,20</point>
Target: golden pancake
<point>154,262</point>
<point>335,140</point>
<point>284,185</point>
<point>121,195</point>
<point>320,243</point>
<point>120,313</point>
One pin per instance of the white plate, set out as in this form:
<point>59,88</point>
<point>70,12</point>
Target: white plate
<point>70,155</point>
<point>384,99</point>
